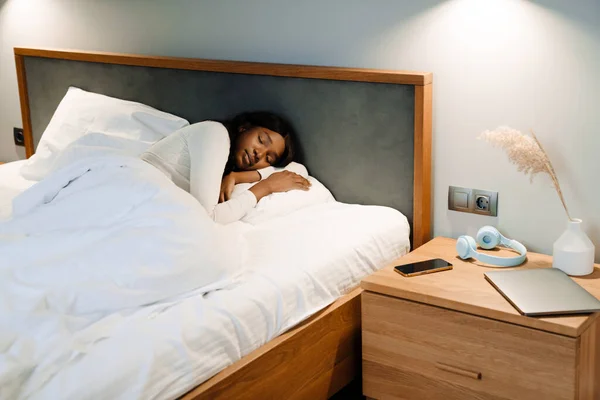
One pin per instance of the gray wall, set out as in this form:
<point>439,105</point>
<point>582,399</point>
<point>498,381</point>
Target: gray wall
<point>527,64</point>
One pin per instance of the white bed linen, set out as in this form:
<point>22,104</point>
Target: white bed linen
<point>109,233</point>
<point>296,266</point>
<point>11,184</point>
<point>81,113</point>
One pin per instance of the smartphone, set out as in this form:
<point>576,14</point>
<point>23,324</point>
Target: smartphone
<point>423,267</point>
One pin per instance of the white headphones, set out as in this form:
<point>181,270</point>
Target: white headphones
<point>488,237</point>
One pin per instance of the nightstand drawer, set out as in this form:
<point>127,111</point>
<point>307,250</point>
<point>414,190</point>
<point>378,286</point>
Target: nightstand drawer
<point>417,351</point>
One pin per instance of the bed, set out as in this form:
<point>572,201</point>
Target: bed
<point>309,346</point>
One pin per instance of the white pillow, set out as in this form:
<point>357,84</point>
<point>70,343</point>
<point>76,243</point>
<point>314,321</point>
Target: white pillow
<point>81,113</point>
<point>280,204</point>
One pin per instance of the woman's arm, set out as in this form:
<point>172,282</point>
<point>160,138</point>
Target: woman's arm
<point>233,178</point>
<point>279,182</point>
<point>234,209</point>
<point>245,176</point>
<point>230,180</point>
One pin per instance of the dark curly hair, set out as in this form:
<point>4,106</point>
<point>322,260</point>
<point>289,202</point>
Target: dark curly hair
<point>264,119</point>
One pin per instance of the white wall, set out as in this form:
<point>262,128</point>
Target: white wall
<point>516,62</point>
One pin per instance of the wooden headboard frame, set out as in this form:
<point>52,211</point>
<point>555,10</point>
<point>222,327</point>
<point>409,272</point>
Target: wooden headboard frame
<point>422,83</point>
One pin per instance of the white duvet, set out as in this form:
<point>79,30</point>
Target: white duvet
<point>98,236</point>
<point>109,275</point>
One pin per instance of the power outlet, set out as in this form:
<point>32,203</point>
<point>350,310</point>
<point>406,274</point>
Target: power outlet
<point>19,137</point>
<point>474,201</point>
<point>482,202</point>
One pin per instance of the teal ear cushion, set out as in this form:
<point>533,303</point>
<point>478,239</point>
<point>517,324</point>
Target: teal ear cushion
<point>465,246</point>
<point>488,237</point>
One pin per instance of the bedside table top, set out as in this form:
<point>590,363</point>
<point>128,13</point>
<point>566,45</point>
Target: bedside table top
<point>465,289</point>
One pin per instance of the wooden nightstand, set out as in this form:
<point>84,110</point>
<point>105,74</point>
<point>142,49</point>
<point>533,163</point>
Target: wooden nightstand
<point>450,335</point>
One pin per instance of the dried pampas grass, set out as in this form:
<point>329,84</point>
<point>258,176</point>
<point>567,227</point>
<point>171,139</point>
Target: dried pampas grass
<point>526,152</point>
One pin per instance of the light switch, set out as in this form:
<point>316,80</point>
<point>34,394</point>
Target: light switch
<point>461,199</point>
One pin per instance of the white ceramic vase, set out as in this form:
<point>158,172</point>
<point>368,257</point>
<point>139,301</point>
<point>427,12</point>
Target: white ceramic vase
<point>573,252</point>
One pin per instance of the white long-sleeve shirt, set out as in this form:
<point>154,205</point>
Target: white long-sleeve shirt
<point>194,158</point>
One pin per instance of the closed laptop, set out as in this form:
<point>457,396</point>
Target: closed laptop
<point>544,291</point>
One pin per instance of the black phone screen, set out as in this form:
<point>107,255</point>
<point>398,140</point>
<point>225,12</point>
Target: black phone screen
<point>422,266</point>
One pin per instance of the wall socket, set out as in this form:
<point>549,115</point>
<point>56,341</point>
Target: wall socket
<point>18,137</point>
<point>476,201</point>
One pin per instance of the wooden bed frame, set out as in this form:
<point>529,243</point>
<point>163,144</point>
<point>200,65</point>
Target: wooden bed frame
<point>321,355</point>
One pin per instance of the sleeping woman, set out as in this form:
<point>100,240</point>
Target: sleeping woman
<point>208,159</point>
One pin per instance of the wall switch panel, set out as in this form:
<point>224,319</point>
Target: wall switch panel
<point>476,201</point>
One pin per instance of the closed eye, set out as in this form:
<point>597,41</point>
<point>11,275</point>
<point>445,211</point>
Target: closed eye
<point>268,138</point>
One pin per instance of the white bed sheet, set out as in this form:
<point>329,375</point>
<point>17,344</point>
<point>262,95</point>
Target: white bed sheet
<point>11,184</point>
<point>297,266</point>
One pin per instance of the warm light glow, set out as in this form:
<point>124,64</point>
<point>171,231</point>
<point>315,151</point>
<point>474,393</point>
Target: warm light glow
<point>32,20</point>
<point>485,26</point>
<point>509,39</point>
<point>486,15</point>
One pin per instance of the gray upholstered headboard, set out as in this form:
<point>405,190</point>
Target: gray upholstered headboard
<point>365,134</point>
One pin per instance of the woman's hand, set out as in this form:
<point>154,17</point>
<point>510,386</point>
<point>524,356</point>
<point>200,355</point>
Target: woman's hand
<point>285,181</point>
<point>280,182</point>
<point>227,185</point>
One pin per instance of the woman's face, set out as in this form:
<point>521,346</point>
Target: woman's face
<point>257,148</point>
